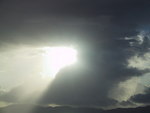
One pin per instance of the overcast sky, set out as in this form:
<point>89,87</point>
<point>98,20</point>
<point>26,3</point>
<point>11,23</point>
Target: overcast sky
<point>112,39</point>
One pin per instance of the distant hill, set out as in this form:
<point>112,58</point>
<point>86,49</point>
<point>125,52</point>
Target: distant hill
<point>39,109</point>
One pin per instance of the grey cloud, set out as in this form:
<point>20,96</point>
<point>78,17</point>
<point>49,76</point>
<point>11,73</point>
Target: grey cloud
<point>98,28</point>
<point>142,98</point>
<point>33,21</point>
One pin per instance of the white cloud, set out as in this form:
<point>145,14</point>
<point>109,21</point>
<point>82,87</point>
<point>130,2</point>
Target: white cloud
<point>17,64</point>
<point>140,62</point>
<point>126,89</point>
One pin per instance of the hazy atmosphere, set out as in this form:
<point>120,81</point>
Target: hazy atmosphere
<point>72,54</point>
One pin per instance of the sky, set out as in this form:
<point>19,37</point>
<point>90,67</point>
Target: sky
<point>112,38</point>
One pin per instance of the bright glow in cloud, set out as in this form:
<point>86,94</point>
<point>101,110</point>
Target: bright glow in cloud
<point>140,62</point>
<point>126,89</point>
<point>18,65</point>
<point>22,69</point>
<point>55,58</point>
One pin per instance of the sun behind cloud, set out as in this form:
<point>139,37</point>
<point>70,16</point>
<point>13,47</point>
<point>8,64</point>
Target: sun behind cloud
<point>55,58</point>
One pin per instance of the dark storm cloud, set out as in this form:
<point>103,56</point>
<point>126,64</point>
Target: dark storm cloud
<point>101,25</point>
<point>127,104</point>
<point>142,98</point>
<point>107,59</point>
<point>28,21</point>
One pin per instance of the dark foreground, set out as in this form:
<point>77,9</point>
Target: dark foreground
<point>39,109</point>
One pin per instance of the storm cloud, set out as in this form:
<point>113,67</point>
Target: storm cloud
<point>107,33</point>
<point>142,98</point>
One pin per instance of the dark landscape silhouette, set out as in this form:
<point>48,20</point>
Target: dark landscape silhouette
<point>64,109</point>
